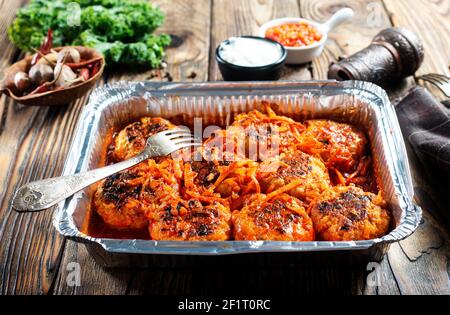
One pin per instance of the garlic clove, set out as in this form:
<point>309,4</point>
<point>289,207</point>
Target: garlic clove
<point>64,75</point>
<point>73,55</point>
<point>21,81</point>
<point>40,73</point>
<point>49,59</point>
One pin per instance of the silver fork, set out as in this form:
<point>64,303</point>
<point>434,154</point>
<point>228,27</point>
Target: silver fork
<point>442,82</point>
<point>45,193</point>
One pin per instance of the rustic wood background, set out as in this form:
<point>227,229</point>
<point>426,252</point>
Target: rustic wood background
<point>34,143</point>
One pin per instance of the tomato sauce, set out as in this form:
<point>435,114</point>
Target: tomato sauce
<point>96,227</point>
<point>294,34</point>
<point>93,224</point>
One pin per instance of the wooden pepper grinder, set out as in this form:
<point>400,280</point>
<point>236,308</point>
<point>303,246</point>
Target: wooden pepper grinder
<point>394,54</point>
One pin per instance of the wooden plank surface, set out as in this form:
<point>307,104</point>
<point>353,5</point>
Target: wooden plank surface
<point>34,142</point>
<point>187,61</point>
<point>418,262</point>
<point>349,37</point>
<point>234,18</point>
<point>432,27</point>
<point>32,146</point>
<point>189,24</point>
<point>342,42</point>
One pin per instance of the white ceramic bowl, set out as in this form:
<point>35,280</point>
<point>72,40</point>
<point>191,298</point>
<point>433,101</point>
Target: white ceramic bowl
<point>299,55</point>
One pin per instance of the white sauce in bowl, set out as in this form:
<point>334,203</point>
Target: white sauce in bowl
<point>250,52</point>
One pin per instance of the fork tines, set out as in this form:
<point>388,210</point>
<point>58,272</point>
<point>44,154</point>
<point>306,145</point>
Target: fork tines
<point>435,77</point>
<point>181,137</point>
<point>439,80</point>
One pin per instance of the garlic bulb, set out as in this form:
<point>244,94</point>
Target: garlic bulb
<point>64,75</point>
<point>73,55</point>
<point>21,81</point>
<point>40,73</point>
<point>49,59</point>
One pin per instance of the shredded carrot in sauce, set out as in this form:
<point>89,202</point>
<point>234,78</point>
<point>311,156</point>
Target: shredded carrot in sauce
<point>225,173</point>
<point>229,177</point>
<point>284,189</point>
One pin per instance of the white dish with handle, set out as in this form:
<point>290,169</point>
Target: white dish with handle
<point>304,54</point>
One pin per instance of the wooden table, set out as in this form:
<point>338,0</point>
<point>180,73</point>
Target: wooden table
<point>34,143</point>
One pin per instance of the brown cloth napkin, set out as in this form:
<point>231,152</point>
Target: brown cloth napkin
<point>425,124</point>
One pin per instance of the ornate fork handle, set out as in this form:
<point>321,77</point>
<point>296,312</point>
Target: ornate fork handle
<point>45,193</point>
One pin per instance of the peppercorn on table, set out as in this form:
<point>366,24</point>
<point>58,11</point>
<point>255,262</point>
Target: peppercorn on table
<point>34,142</point>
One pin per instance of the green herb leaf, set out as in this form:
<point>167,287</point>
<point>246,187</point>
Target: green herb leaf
<point>120,29</point>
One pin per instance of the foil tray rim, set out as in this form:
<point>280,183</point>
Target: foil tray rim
<point>105,95</point>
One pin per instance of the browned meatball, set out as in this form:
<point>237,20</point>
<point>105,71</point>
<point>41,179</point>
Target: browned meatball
<point>124,199</point>
<point>346,213</point>
<point>340,146</point>
<point>117,199</point>
<point>131,140</point>
<point>225,145</point>
<point>308,172</point>
<point>267,135</point>
<point>190,220</point>
<point>281,219</point>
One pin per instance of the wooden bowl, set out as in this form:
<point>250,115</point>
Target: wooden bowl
<point>51,98</point>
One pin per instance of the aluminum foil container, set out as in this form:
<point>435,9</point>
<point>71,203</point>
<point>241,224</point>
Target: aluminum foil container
<point>359,103</point>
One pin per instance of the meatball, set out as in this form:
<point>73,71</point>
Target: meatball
<point>308,172</point>
<point>255,136</point>
<point>282,218</point>
<point>131,140</point>
<point>124,199</point>
<point>117,199</point>
<point>225,145</point>
<point>346,213</point>
<point>190,220</point>
<point>266,135</point>
<point>340,146</point>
